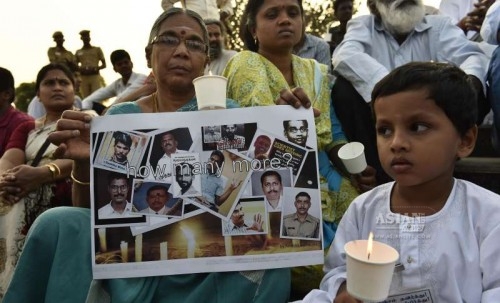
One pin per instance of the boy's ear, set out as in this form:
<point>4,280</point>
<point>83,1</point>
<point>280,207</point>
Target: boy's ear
<point>468,142</point>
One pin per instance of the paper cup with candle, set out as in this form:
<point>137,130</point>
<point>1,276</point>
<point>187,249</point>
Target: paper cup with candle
<point>369,274</point>
<point>210,92</point>
<point>353,156</point>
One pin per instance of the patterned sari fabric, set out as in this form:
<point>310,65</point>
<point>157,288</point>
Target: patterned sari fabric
<point>16,220</point>
<point>255,81</point>
<point>58,268</point>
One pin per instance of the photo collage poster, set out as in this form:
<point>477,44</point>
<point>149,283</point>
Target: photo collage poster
<point>188,192</point>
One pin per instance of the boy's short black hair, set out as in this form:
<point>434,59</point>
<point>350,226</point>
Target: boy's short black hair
<point>446,84</point>
<point>118,55</point>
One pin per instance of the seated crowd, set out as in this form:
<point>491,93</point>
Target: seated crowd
<point>411,87</point>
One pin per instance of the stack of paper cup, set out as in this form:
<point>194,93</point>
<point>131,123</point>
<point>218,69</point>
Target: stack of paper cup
<point>353,156</point>
<point>369,279</point>
<point>210,92</point>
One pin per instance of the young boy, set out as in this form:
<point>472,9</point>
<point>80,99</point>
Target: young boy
<point>446,230</point>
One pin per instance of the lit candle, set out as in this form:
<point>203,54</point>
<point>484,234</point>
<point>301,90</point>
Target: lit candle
<point>370,265</point>
<point>190,241</point>
<point>228,243</point>
<point>124,251</point>
<point>102,239</point>
<point>138,248</point>
<point>163,251</point>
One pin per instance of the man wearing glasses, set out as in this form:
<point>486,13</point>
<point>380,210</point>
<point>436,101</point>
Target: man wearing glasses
<point>296,131</point>
<point>119,206</point>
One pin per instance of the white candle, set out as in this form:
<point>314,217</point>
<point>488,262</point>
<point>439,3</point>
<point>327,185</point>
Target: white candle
<point>102,239</point>
<point>228,243</point>
<point>138,248</point>
<point>163,251</point>
<point>124,251</point>
<point>369,271</point>
<point>191,242</point>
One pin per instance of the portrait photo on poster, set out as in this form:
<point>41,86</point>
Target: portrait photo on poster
<point>270,183</point>
<point>120,150</point>
<point>111,202</point>
<point>301,215</point>
<point>248,217</point>
<point>223,176</point>
<point>167,142</point>
<point>152,198</point>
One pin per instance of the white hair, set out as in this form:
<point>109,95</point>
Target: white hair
<point>401,16</point>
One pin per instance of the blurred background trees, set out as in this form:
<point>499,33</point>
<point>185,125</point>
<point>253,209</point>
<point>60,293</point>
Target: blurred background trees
<point>24,93</point>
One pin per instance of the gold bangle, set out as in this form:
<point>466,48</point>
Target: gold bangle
<point>57,168</point>
<point>78,181</point>
<point>54,169</point>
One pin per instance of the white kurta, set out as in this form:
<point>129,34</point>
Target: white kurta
<point>451,255</point>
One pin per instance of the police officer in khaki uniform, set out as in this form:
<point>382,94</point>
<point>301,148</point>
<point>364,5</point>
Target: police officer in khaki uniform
<point>301,224</point>
<point>59,54</point>
<point>90,60</point>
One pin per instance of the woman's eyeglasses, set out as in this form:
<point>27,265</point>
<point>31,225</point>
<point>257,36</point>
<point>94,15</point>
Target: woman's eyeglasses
<point>173,42</point>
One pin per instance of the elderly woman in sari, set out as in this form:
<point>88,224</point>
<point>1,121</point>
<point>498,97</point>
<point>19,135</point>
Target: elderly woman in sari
<point>268,73</point>
<point>179,54</point>
<point>31,179</point>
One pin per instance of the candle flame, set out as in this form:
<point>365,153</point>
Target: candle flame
<point>210,72</point>
<point>369,246</point>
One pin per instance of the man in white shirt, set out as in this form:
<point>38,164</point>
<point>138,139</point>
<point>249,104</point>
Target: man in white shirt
<point>129,82</point>
<point>273,190</point>
<point>236,225</point>
<point>219,56</point>
<point>164,167</point>
<point>157,197</point>
<point>184,177</point>
<point>119,206</point>
<point>397,33</point>
<point>490,32</point>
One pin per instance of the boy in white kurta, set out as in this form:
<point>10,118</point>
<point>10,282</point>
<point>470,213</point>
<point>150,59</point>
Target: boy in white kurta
<point>446,230</point>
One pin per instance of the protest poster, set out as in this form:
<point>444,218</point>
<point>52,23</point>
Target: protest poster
<point>202,192</point>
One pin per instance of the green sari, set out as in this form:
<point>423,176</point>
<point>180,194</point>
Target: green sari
<point>255,81</point>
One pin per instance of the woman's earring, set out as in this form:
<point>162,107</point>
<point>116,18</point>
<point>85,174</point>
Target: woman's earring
<point>255,40</point>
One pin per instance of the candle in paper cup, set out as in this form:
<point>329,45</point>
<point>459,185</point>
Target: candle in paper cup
<point>138,248</point>
<point>369,273</point>
<point>353,156</point>
<point>210,92</point>
<point>124,251</point>
<point>163,251</point>
<point>102,239</point>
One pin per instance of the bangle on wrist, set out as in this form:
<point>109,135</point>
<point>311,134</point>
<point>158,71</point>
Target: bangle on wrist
<point>78,181</point>
<point>54,169</point>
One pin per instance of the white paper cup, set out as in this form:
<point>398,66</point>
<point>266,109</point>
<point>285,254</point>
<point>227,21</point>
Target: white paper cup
<point>369,280</point>
<point>210,92</point>
<point>353,156</point>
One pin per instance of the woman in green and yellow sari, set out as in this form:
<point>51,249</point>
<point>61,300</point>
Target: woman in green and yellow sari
<point>268,74</point>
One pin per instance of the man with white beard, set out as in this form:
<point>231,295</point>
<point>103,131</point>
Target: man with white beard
<point>219,55</point>
<point>397,32</point>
